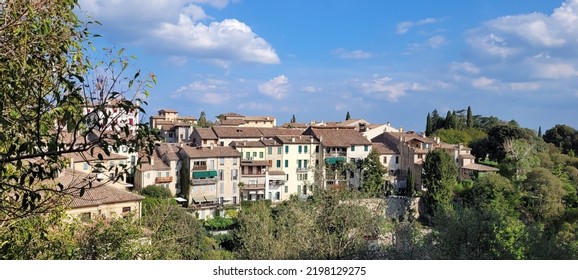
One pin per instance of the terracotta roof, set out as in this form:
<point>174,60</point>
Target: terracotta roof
<point>236,132</point>
<point>167,127</point>
<point>249,144</point>
<point>277,131</point>
<point>270,142</point>
<point>352,121</point>
<point>338,137</point>
<point>168,151</point>
<point>210,152</point>
<point>259,118</point>
<point>206,133</point>
<point>86,156</point>
<point>232,122</point>
<point>98,194</point>
<point>408,136</point>
<point>232,114</point>
<point>295,125</point>
<point>480,167</point>
<point>383,149</point>
<point>387,142</point>
<point>300,139</point>
<point>157,163</point>
<point>470,156</point>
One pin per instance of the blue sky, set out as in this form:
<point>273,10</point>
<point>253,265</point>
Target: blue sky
<point>383,61</point>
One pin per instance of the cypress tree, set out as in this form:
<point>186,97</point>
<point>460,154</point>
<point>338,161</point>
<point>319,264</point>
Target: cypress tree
<point>428,126</point>
<point>540,131</point>
<point>347,116</point>
<point>293,119</point>
<point>470,118</point>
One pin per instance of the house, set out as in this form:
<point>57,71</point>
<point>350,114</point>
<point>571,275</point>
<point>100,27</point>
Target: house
<point>389,156</point>
<point>99,198</point>
<point>209,178</point>
<point>464,159</point>
<point>338,145</point>
<point>110,116</point>
<point>162,168</point>
<point>235,119</point>
<point>224,135</point>
<point>110,167</point>
<point>298,161</point>
<point>412,149</point>
<point>172,127</point>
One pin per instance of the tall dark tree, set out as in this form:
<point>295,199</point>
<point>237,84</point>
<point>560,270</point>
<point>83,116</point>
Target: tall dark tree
<point>437,122</point>
<point>428,126</point>
<point>347,116</point>
<point>470,118</point>
<point>293,119</point>
<point>440,178</point>
<point>563,136</point>
<point>202,122</point>
<point>410,183</point>
<point>540,131</point>
<point>450,121</point>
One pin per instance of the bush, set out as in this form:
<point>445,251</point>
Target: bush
<point>249,203</point>
<point>155,191</point>
<point>220,223</point>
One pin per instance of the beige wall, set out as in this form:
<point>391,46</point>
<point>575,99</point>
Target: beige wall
<point>107,210</point>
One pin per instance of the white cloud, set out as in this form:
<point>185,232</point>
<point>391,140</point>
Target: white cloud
<point>178,27</point>
<point>381,87</point>
<point>311,89</point>
<point>524,86</point>
<point>555,71</point>
<point>464,67</point>
<point>276,87</point>
<point>436,41</point>
<point>210,91</point>
<point>484,83</point>
<point>404,26</point>
<point>256,106</point>
<point>356,54</point>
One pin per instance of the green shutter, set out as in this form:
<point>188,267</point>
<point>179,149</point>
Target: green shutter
<point>305,149</point>
<point>278,163</point>
<point>299,149</point>
<point>286,149</point>
<point>353,148</point>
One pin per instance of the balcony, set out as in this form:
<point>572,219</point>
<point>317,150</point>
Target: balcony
<point>301,169</point>
<point>336,154</point>
<point>276,183</point>
<point>254,187</point>
<point>163,180</point>
<point>199,167</point>
<point>205,181</point>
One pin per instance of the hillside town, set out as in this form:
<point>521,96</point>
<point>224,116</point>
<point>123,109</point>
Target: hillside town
<point>250,158</point>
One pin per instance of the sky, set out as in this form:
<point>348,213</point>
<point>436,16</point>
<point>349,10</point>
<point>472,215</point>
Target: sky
<point>382,61</point>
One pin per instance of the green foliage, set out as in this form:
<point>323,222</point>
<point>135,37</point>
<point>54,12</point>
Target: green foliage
<point>220,223</point>
<point>428,126</point>
<point>347,116</point>
<point>457,136</point>
<point>155,191</point>
<point>373,172</point>
<point>469,118</point>
<point>544,193</point>
<point>440,178</point>
<point>563,137</point>
<point>250,203</point>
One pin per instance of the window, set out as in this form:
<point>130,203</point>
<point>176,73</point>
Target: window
<point>234,161</point>
<point>148,175</point>
<point>278,163</point>
<point>234,174</point>
<point>254,154</point>
<point>247,155</point>
<point>286,149</point>
<point>286,189</point>
<point>384,159</point>
<point>305,149</point>
<point>397,159</point>
<point>299,149</point>
<point>305,163</point>
<point>222,161</point>
<point>221,187</point>
<point>279,149</point>
<point>317,148</point>
<point>85,217</point>
<point>126,209</point>
<point>234,188</point>
<point>167,174</point>
<point>421,156</point>
<point>286,163</point>
<point>159,174</point>
<point>221,174</point>
<point>85,166</point>
<point>277,195</point>
<point>270,150</point>
<point>260,154</point>
<point>365,148</point>
<point>270,195</point>
<point>132,160</point>
<point>298,163</point>
<point>353,148</point>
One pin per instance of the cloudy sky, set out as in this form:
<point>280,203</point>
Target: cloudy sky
<point>383,61</point>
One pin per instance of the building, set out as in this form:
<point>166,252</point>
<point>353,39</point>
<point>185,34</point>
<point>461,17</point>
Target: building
<point>340,145</point>
<point>235,119</point>
<point>464,159</point>
<point>172,127</point>
<point>225,135</point>
<point>115,118</point>
<point>299,154</point>
<point>162,168</point>
<point>209,178</point>
<point>389,156</point>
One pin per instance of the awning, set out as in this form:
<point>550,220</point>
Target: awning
<point>210,198</point>
<point>260,192</point>
<point>334,160</point>
<point>180,199</point>
<point>204,198</point>
<point>204,174</point>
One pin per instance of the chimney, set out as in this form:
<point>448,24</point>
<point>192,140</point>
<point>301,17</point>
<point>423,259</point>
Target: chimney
<point>401,129</point>
<point>292,139</point>
<point>152,160</point>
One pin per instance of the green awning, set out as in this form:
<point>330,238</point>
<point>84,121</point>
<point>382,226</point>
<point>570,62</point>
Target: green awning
<point>334,160</point>
<point>204,174</point>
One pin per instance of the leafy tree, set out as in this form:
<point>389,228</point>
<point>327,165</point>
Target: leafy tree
<point>46,80</point>
<point>498,135</point>
<point>347,116</point>
<point>544,193</point>
<point>428,126</point>
<point>436,120</point>
<point>256,233</point>
<point>457,136</point>
<point>372,172</point>
<point>202,122</point>
<point>156,191</point>
<point>440,178</point>
<point>563,136</point>
<point>470,118</point>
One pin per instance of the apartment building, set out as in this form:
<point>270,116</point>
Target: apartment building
<point>299,154</point>
<point>210,178</point>
<point>172,127</point>
<point>235,119</point>
<point>115,117</point>
<point>162,168</point>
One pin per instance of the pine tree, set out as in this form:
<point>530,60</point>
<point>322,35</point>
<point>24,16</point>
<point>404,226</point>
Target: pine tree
<point>428,126</point>
<point>347,116</point>
<point>470,118</point>
<point>293,119</point>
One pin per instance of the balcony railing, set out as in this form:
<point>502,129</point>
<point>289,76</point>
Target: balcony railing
<point>276,183</point>
<point>254,187</point>
<point>199,167</point>
<point>336,154</point>
<point>162,180</point>
<point>205,181</point>
<point>301,169</point>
